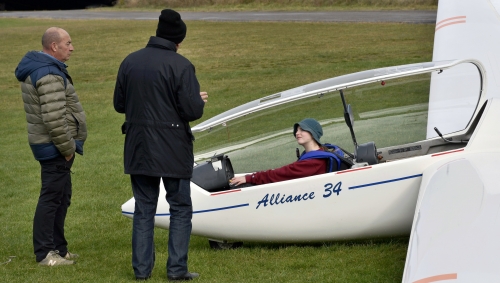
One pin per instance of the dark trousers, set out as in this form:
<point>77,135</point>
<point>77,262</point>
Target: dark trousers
<point>146,191</point>
<point>53,203</point>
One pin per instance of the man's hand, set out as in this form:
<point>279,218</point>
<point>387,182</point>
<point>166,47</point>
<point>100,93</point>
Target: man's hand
<point>204,96</point>
<point>237,181</point>
<point>68,158</point>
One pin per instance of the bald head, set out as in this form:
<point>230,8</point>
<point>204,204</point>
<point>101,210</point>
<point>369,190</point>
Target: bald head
<point>57,42</point>
<point>51,35</point>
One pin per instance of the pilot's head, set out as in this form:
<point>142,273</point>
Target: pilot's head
<point>171,27</point>
<point>312,126</point>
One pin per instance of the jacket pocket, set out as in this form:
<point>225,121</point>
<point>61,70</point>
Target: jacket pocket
<point>80,126</point>
<point>77,123</point>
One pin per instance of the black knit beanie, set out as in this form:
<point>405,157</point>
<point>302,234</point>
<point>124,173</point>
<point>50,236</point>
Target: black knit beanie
<point>171,27</point>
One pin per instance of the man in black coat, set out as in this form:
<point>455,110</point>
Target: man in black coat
<point>159,93</point>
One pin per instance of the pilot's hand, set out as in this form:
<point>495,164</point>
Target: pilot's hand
<point>68,158</point>
<point>237,181</point>
<point>204,96</point>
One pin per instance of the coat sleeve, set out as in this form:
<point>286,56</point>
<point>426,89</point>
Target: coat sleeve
<point>190,105</point>
<point>118,96</point>
<point>299,169</point>
<point>52,94</point>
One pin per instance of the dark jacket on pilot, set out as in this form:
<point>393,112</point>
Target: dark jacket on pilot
<point>56,120</point>
<point>159,93</point>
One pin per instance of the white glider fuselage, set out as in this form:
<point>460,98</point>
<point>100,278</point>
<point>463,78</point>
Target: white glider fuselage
<point>357,203</point>
<point>368,201</point>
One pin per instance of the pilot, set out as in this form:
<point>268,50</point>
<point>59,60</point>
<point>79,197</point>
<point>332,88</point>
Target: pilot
<point>316,158</point>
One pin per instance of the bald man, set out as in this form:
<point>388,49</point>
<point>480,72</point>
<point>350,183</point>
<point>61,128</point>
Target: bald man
<point>56,130</point>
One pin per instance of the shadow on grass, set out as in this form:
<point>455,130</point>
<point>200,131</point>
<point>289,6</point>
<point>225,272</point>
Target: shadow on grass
<point>403,240</point>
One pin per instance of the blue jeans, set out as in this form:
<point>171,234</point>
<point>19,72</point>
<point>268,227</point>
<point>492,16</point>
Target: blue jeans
<point>146,191</point>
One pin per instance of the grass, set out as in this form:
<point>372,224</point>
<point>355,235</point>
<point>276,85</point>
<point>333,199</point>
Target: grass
<point>235,63</point>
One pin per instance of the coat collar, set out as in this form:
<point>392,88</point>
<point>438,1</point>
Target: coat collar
<point>158,42</point>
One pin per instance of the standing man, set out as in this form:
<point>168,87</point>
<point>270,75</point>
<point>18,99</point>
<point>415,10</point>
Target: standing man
<point>56,130</point>
<point>159,93</point>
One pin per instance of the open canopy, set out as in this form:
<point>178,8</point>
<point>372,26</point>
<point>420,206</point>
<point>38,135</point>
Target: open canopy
<point>390,107</point>
<point>326,86</point>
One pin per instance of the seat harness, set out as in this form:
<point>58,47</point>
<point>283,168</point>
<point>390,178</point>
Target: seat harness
<point>332,155</point>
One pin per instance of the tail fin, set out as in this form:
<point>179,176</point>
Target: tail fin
<point>465,29</point>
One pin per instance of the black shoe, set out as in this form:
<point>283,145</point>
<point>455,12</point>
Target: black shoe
<point>185,276</point>
<point>143,278</point>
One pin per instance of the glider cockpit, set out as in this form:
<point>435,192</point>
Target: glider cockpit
<point>385,108</point>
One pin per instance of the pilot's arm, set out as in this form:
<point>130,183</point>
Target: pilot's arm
<point>299,169</point>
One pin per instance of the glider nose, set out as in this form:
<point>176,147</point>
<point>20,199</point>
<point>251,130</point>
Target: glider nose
<point>128,208</point>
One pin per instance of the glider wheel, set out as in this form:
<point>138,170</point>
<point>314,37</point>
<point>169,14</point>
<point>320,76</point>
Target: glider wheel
<point>216,245</point>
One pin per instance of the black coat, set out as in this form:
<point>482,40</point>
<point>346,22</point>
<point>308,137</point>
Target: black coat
<point>159,93</point>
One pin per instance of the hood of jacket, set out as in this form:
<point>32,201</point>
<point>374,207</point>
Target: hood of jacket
<point>37,65</point>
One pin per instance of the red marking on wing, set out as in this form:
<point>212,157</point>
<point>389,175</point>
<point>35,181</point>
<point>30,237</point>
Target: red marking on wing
<point>437,278</point>
<point>451,21</point>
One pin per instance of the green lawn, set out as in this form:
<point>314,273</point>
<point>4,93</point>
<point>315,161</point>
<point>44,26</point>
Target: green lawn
<point>235,63</point>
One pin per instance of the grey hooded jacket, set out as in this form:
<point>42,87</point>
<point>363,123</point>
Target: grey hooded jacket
<point>55,116</point>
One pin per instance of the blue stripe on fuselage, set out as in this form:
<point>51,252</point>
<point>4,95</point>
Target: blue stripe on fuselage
<point>246,204</point>
<point>200,211</point>
<point>384,182</point>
